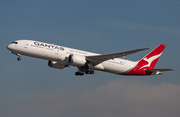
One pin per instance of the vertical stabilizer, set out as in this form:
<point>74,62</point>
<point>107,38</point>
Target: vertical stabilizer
<point>150,60</point>
<point>147,62</point>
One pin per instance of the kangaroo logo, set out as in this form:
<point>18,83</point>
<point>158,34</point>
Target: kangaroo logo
<point>150,60</point>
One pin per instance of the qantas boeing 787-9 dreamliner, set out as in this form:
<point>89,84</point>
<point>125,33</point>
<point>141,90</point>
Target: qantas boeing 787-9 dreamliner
<point>60,57</point>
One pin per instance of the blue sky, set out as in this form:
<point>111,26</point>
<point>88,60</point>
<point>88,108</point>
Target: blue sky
<point>30,88</point>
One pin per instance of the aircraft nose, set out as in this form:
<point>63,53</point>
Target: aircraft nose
<point>8,47</point>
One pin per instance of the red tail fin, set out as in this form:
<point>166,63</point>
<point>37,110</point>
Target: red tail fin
<point>147,62</point>
<point>150,60</point>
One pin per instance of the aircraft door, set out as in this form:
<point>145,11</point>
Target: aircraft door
<point>56,51</point>
<point>26,44</point>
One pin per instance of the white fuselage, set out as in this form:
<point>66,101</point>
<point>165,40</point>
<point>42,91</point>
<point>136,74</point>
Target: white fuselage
<point>59,54</point>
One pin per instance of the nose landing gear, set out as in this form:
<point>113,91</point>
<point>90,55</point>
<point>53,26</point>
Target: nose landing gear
<point>19,56</point>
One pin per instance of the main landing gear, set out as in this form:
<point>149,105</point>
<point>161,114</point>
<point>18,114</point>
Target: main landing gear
<point>79,74</point>
<point>87,72</point>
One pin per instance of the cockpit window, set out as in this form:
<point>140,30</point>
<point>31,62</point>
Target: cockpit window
<point>15,42</point>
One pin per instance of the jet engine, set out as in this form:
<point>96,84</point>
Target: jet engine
<point>77,60</point>
<point>56,65</point>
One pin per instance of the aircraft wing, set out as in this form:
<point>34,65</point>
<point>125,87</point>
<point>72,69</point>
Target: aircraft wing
<point>95,60</point>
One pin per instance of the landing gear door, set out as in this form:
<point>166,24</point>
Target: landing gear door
<point>26,44</point>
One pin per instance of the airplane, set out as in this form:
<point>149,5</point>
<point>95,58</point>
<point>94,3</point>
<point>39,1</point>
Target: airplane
<point>60,57</point>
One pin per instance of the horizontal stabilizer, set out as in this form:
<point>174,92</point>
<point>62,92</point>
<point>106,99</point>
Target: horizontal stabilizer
<point>161,70</point>
<point>157,71</point>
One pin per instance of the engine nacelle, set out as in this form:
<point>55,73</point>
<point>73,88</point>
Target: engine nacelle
<point>77,60</point>
<point>55,64</point>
